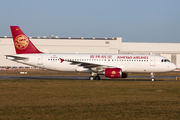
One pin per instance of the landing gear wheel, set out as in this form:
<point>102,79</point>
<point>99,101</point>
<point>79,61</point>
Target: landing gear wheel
<point>91,78</point>
<point>152,77</point>
<point>97,78</point>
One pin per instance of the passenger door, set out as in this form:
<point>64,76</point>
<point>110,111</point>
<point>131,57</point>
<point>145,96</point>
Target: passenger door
<point>152,61</point>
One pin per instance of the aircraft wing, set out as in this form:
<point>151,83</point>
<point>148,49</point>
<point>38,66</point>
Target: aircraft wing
<point>92,66</point>
<point>96,67</point>
<point>85,64</point>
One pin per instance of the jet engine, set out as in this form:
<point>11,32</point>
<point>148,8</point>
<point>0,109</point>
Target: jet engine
<point>115,73</point>
<point>124,75</point>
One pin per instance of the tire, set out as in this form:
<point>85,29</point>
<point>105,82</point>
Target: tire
<point>91,78</point>
<point>97,78</point>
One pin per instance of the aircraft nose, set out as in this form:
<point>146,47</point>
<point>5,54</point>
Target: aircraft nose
<point>173,66</point>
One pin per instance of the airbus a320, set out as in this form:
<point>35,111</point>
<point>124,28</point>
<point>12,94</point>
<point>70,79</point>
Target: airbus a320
<point>109,65</point>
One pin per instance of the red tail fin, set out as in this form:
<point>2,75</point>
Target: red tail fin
<point>21,42</point>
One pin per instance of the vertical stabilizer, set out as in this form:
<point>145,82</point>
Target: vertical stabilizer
<point>21,42</point>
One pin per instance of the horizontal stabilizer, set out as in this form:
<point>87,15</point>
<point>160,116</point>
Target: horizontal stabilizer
<point>14,58</point>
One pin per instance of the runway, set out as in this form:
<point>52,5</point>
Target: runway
<point>131,78</point>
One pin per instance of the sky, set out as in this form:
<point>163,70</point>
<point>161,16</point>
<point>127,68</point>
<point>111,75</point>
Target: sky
<point>153,21</point>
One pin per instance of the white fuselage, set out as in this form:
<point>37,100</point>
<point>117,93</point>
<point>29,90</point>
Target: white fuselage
<point>127,62</point>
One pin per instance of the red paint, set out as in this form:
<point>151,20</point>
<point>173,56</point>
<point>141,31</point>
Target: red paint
<point>132,57</point>
<point>113,72</point>
<point>61,60</point>
<point>21,42</point>
<point>101,56</point>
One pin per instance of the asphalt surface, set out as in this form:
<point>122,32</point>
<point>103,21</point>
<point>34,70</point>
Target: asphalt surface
<point>130,78</point>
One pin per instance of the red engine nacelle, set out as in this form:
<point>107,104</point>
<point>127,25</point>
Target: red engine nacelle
<point>115,73</point>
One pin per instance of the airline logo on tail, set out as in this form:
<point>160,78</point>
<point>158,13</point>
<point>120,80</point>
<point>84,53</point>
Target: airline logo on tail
<point>21,42</point>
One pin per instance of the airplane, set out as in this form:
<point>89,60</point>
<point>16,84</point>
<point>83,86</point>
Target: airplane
<point>109,65</point>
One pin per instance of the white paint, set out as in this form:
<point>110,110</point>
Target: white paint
<point>72,61</point>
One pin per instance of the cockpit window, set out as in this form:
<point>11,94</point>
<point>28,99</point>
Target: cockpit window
<point>165,60</point>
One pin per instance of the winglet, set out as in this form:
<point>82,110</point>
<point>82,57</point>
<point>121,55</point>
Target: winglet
<point>21,42</point>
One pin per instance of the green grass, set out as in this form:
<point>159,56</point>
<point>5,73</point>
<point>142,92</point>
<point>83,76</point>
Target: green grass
<point>86,100</point>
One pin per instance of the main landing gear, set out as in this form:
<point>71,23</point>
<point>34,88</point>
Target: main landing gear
<point>152,77</point>
<point>93,77</point>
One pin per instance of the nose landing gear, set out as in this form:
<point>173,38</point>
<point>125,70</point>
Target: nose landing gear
<point>152,77</point>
